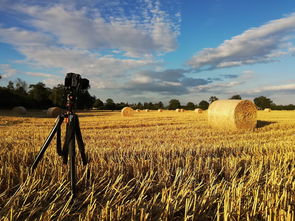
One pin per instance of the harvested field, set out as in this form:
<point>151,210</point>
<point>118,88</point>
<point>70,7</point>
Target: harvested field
<point>154,166</point>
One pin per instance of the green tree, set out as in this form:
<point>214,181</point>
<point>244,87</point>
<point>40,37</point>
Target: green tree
<point>57,96</point>
<point>203,105</point>
<point>9,99</point>
<point>121,105</point>
<point>12,95</point>
<point>85,100</point>
<point>110,104</point>
<point>150,106</point>
<point>10,86</point>
<point>190,106</point>
<point>98,104</point>
<point>40,94</point>
<point>212,99</point>
<point>174,104</point>
<point>139,106</point>
<point>21,87</point>
<point>263,102</point>
<point>236,97</point>
<point>159,105</point>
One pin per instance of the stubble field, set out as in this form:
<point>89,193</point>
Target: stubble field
<point>152,166</point>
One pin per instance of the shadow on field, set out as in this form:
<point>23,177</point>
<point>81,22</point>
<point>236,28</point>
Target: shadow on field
<point>261,123</point>
<point>43,114</point>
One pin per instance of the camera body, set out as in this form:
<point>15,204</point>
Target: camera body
<point>74,83</point>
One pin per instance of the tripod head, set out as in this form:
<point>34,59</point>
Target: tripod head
<point>73,85</point>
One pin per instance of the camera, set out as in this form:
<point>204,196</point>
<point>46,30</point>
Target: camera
<point>74,82</point>
<point>74,85</point>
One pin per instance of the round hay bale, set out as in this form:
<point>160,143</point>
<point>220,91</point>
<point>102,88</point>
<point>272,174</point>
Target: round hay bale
<point>19,110</point>
<point>127,112</point>
<point>53,111</point>
<point>147,110</point>
<point>267,110</point>
<point>232,114</point>
<point>160,110</point>
<point>198,110</point>
<point>182,110</point>
<point>137,110</point>
<point>178,110</point>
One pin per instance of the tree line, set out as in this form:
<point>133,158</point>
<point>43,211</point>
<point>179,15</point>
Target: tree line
<point>39,96</point>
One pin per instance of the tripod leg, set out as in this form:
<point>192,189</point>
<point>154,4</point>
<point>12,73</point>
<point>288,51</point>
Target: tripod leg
<point>73,166</point>
<point>80,141</point>
<point>58,141</point>
<point>72,153</point>
<point>65,150</point>
<point>69,149</point>
<point>70,132</point>
<point>58,122</point>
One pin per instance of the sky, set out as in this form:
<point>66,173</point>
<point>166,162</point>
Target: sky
<point>153,50</point>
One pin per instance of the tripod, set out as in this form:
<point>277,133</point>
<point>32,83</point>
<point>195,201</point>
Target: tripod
<point>72,131</point>
<point>73,84</point>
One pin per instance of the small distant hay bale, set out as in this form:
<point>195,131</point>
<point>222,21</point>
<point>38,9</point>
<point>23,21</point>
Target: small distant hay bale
<point>232,114</point>
<point>160,110</point>
<point>53,111</point>
<point>198,110</point>
<point>19,110</point>
<point>178,110</point>
<point>267,110</point>
<point>127,112</point>
<point>137,110</point>
<point>182,110</point>
<point>147,110</point>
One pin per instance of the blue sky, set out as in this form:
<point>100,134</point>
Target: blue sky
<point>152,50</point>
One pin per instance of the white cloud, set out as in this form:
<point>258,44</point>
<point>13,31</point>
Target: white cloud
<point>90,41</point>
<point>7,71</point>
<point>81,61</point>
<point>53,81</point>
<point>285,88</point>
<point>261,44</point>
<point>21,37</point>
<point>142,79</point>
<point>217,87</point>
<point>247,74</point>
<point>169,81</point>
<point>292,51</point>
<point>38,74</point>
<point>145,34</point>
